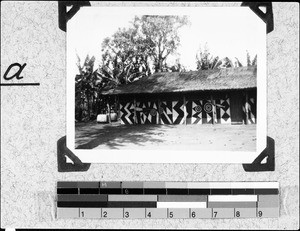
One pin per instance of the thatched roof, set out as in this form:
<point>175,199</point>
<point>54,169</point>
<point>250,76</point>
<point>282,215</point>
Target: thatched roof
<point>163,82</point>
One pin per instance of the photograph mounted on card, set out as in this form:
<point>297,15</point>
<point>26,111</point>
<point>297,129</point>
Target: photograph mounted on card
<point>166,85</point>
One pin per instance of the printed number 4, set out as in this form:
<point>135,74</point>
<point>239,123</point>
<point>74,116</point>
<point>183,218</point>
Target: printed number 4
<point>149,214</point>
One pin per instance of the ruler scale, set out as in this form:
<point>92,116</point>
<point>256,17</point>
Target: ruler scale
<point>167,200</point>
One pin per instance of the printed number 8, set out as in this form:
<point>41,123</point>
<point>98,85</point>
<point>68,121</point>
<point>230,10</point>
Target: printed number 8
<point>237,214</point>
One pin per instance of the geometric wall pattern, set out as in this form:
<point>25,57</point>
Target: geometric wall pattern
<point>251,111</point>
<point>172,112</point>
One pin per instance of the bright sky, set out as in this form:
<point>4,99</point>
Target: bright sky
<point>227,31</point>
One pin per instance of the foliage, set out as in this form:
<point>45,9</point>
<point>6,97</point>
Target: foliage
<point>250,62</point>
<point>148,42</point>
<point>205,60</point>
<point>87,86</point>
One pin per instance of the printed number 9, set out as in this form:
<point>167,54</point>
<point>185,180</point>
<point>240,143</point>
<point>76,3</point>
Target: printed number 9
<point>260,213</point>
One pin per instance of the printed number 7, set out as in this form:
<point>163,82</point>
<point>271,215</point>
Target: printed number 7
<point>215,214</point>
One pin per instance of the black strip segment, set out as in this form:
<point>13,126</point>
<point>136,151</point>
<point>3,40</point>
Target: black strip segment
<point>243,191</point>
<point>67,190</point>
<point>199,191</point>
<point>132,204</point>
<point>177,191</point>
<point>89,190</point>
<point>82,204</point>
<point>155,191</point>
<point>109,204</point>
<point>223,191</point>
<point>266,191</point>
<point>82,197</point>
<point>110,191</point>
<point>132,190</point>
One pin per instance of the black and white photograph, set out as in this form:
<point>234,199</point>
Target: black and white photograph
<point>165,79</point>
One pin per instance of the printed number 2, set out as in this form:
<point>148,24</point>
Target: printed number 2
<point>105,214</point>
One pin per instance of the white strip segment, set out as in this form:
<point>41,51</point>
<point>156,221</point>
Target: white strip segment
<point>181,205</point>
<point>243,185</point>
<point>171,184</point>
<point>232,198</point>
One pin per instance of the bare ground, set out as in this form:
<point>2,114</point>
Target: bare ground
<point>172,137</point>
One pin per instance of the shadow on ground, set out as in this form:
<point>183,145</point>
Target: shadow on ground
<point>116,136</point>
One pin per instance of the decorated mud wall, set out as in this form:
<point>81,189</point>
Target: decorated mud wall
<point>212,108</point>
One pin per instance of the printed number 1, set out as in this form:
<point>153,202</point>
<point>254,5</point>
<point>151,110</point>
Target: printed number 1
<point>82,213</point>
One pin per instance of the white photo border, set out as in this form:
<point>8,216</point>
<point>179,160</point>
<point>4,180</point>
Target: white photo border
<point>156,156</point>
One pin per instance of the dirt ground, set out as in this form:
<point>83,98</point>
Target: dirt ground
<point>171,137</point>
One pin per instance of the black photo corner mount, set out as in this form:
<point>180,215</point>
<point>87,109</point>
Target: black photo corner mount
<point>64,16</point>
<point>269,154</point>
<point>269,151</point>
<point>62,152</point>
<point>266,17</point>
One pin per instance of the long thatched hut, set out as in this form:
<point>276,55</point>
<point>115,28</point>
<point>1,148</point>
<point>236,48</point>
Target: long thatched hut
<point>223,96</point>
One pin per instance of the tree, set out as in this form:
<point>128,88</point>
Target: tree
<point>149,40</point>
<point>205,60</point>
<point>87,85</point>
<point>250,62</point>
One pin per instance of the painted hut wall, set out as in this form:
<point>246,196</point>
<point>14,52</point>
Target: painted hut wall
<point>229,108</point>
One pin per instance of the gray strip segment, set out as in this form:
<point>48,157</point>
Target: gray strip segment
<point>132,198</point>
<point>156,213</point>
<point>231,205</point>
<point>133,213</point>
<point>267,204</point>
<point>67,213</point>
<point>67,184</point>
<point>268,198</point>
<point>88,184</point>
<point>110,184</point>
<point>223,213</point>
<point>268,212</point>
<point>178,213</point>
<point>132,184</point>
<point>245,212</point>
<point>154,184</point>
<point>183,198</point>
<point>200,213</point>
<point>81,197</point>
<point>90,213</point>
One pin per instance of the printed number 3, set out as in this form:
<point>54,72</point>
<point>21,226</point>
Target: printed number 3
<point>126,214</point>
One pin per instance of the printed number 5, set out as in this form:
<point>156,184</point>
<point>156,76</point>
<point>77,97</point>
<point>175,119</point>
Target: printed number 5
<point>171,214</point>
